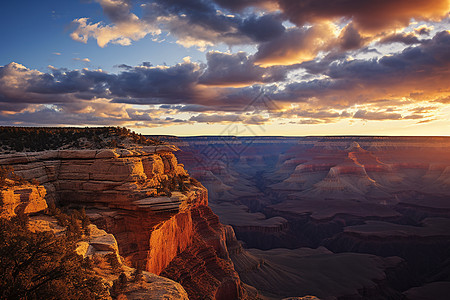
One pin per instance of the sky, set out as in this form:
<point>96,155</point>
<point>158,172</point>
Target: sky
<point>228,67</point>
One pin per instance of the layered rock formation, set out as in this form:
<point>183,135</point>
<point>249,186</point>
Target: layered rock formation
<point>100,247</point>
<point>425,245</point>
<point>315,191</point>
<point>143,197</point>
<point>96,244</point>
<point>279,273</point>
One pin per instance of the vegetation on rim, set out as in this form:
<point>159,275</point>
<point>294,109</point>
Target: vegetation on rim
<point>21,139</point>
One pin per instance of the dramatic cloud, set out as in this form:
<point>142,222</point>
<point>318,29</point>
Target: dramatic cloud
<point>204,24</point>
<point>370,15</point>
<point>238,69</point>
<point>350,38</point>
<point>420,73</point>
<point>380,115</point>
<point>423,30</point>
<point>235,87</point>
<point>296,45</point>
<point>126,26</point>
<point>262,29</point>
<point>229,118</point>
<point>405,38</point>
<point>159,84</point>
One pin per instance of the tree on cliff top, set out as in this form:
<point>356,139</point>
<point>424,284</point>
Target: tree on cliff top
<point>40,265</point>
<point>19,139</point>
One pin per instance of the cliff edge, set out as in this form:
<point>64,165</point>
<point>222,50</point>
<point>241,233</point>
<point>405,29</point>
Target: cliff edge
<point>158,214</point>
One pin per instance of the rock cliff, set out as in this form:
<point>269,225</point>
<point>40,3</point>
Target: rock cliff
<point>96,244</point>
<point>339,192</point>
<point>142,196</point>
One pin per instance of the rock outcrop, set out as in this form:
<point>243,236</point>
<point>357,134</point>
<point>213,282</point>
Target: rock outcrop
<point>101,247</point>
<point>148,202</point>
<point>24,198</point>
<point>96,244</point>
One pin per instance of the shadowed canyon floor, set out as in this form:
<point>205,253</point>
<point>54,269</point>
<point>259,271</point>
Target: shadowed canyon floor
<point>335,217</point>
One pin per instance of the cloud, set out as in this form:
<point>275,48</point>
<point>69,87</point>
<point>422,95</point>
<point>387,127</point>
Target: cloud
<point>319,25</point>
<point>158,85</point>
<point>230,118</point>
<point>196,23</point>
<point>444,100</point>
<point>424,29</point>
<point>126,26</point>
<point>376,115</point>
<point>369,16</point>
<point>239,5</point>
<point>215,118</point>
<point>82,59</point>
<point>405,38</point>
<point>419,72</point>
<point>396,86</point>
<point>225,69</point>
<point>193,23</point>
<point>296,45</point>
<point>350,38</point>
<point>264,28</point>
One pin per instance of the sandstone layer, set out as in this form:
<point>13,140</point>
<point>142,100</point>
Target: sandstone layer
<point>143,197</point>
<point>97,244</point>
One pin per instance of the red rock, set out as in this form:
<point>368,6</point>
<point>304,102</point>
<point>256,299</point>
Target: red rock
<point>27,198</point>
<point>177,236</point>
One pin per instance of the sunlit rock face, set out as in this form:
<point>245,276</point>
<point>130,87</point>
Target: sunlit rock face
<point>158,231</point>
<point>109,175</point>
<point>29,199</point>
<point>22,198</point>
<point>202,267</point>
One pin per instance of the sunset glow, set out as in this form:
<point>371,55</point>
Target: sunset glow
<point>195,67</point>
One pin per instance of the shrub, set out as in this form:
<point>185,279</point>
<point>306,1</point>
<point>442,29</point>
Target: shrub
<point>119,285</point>
<point>40,265</point>
<point>137,274</point>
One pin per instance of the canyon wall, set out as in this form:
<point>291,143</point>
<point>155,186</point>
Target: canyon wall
<point>382,196</point>
<point>157,213</point>
<point>98,245</point>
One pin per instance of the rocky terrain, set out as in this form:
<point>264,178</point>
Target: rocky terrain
<point>383,197</point>
<point>95,244</point>
<point>145,200</point>
<point>332,217</point>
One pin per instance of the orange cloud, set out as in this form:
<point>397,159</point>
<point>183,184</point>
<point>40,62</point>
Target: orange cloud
<point>369,16</point>
<point>296,45</point>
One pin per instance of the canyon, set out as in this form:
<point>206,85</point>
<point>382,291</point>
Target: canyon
<point>311,208</point>
<point>264,218</point>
